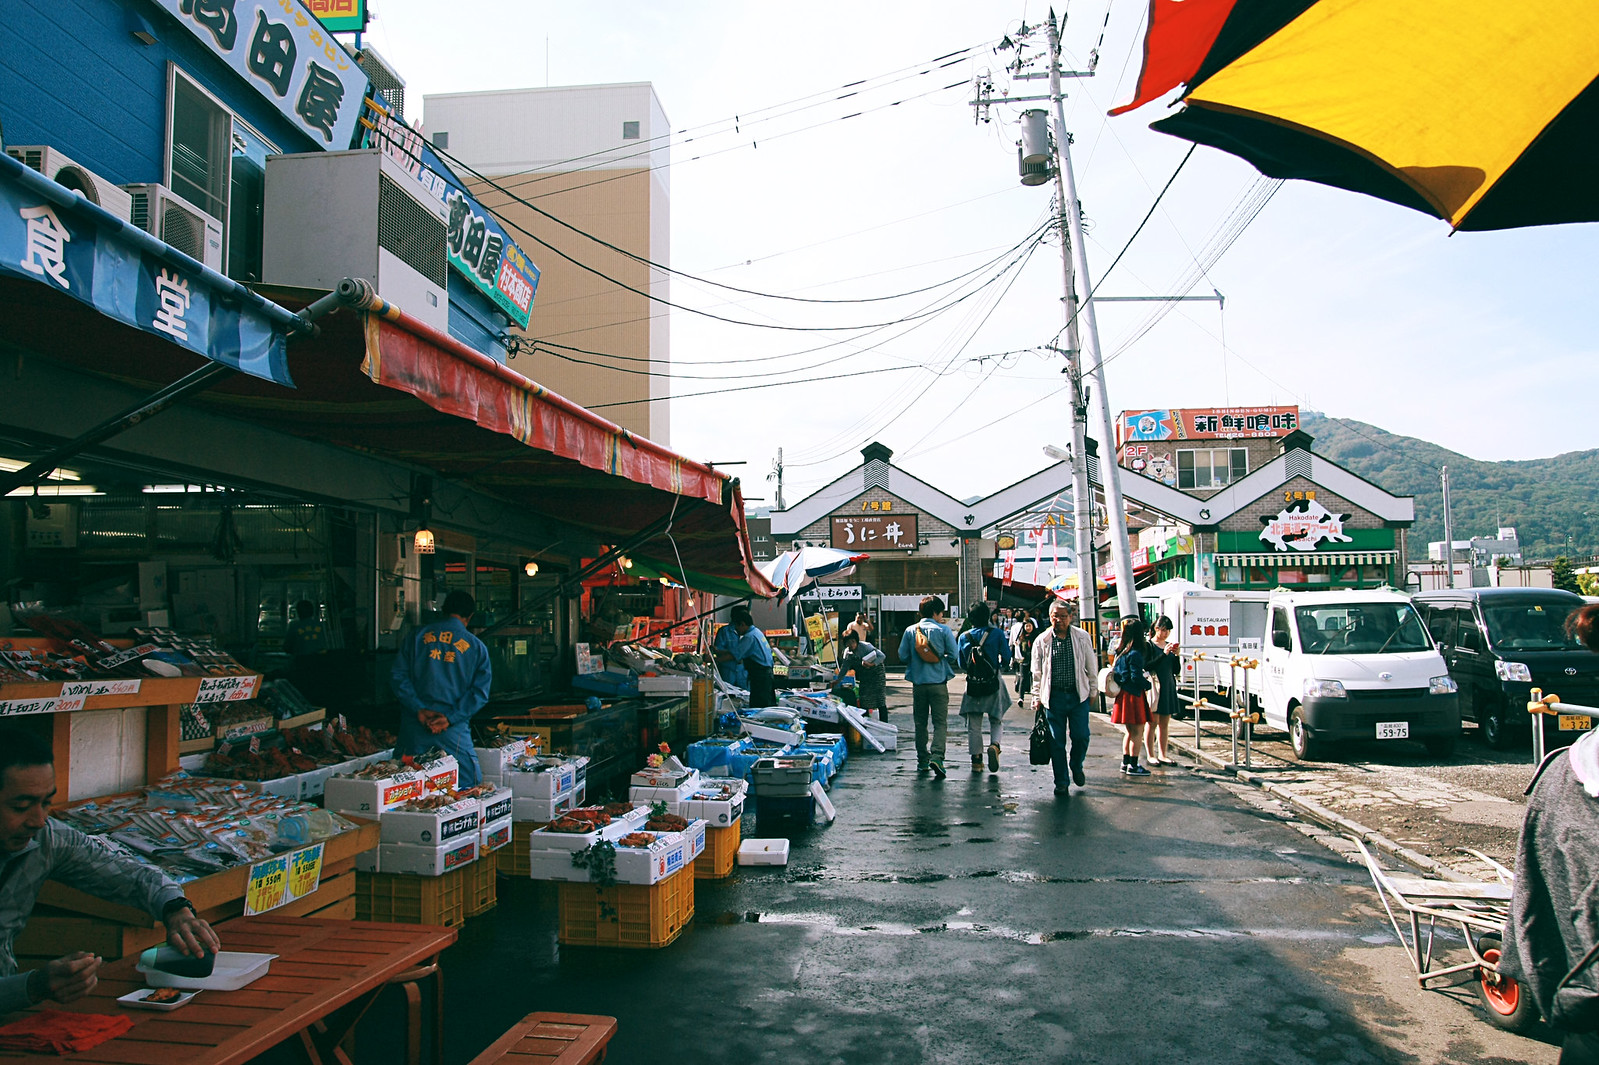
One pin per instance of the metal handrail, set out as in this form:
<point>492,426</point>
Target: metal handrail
<point>1237,709</point>
<point>1551,704</point>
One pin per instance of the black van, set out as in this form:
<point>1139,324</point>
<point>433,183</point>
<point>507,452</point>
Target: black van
<point>1500,643</point>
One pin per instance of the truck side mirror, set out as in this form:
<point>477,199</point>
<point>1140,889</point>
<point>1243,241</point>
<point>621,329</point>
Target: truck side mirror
<point>1283,640</point>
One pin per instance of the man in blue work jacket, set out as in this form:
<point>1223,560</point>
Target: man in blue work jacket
<point>929,665</point>
<point>441,678</point>
<point>744,658</point>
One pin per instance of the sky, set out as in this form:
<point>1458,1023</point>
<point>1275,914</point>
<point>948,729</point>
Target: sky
<point>1481,342</point>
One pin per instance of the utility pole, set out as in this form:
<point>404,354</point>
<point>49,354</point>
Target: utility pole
<point>1449,527</point>
<point>1110,471</point>
<point>777,475</point>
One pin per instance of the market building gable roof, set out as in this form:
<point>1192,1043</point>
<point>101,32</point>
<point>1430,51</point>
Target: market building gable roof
<point>1050,482</point>
<point>912,489</point>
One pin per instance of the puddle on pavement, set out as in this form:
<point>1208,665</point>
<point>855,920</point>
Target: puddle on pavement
<point>1020,877</point>
<point>826,922</point>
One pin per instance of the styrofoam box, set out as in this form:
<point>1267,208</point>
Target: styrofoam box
<point>496,805</point>
<point>771,733</point>
<point>670,852</point>
<point>547,809</point>
<point>495,835</point>
<point>662,777</point>
<point>718,813</point>
<point>493,760</point>
<point>360,796</point>
<point>638,793</point>
<point>884,732</point>
<point>431,828</point>
<point>763,852</point>
<point>427,861</point>
<point>575,841</point>
<point>556,779</point>
<point>669,684</point>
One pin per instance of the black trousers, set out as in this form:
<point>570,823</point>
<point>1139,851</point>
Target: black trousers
<point>761,691</point>
<point>1580,1048</point>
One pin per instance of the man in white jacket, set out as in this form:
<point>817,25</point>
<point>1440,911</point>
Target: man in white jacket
<point>1065,674</point>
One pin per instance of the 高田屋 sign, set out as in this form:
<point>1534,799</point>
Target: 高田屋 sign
<point>288,57</point>
<point>475,243</point>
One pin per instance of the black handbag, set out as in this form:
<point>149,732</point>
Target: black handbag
<point>1038,745</point>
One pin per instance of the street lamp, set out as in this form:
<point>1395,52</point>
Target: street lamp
<point>1059,454</point>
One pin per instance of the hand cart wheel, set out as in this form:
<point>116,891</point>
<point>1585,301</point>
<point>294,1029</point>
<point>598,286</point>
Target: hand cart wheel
<point>1507,1002</point>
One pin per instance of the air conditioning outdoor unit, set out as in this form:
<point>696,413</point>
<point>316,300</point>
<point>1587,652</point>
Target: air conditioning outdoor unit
<point>63,171</point>
<point>332,215</point>
<point>173,220</point>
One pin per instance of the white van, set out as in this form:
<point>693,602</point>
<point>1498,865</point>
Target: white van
<point>1354,665</point>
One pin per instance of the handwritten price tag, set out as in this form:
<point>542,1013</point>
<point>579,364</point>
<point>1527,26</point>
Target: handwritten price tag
<point>280,880</point>
<point>225,689</point>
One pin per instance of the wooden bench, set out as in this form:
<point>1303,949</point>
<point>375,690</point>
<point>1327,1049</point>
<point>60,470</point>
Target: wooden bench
<point>552,1039</point>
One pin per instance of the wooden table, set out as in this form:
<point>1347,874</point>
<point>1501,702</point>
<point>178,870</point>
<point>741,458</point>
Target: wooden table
<point>321,967</point>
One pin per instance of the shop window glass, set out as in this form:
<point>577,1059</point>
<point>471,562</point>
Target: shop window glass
<point>218,164</point>
<point>1211,467</point>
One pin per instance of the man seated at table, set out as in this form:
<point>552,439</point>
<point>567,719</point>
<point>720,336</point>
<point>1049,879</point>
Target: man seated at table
<point>34,848</point>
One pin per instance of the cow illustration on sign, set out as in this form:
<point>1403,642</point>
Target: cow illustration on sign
<point>1302,525</point>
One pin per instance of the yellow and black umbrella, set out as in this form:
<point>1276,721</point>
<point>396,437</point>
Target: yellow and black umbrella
<point>1484,113</point>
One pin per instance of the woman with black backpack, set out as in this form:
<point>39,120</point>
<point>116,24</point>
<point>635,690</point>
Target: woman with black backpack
<point>1131,711</point>
<point>982,651</point>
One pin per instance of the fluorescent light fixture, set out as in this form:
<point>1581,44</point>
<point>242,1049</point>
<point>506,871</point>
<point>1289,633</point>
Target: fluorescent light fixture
<point>54,491</point>
<point>1057,453</point>
<point>13,465</point>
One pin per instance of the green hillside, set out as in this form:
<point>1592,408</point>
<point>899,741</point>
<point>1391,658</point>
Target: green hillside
<point>1546,500</point>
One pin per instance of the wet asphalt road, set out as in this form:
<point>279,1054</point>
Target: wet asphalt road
<point>980,919</point>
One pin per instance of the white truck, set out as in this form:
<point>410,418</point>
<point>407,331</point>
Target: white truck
<point>1354,665</point>
<point>1203,619</point>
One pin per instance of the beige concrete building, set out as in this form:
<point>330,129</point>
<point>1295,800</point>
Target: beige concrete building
<point>593,157</point>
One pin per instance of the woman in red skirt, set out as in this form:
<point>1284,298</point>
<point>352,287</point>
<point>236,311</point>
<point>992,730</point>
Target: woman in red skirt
<point>1131,711</point>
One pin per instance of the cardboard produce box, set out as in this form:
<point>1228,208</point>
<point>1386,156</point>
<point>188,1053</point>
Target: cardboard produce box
<point>431,828</point>
<point>495,835</point>
<point>373,795</point>
<point>670,852</point>
<point>426,861</point>
<point>542,778</point>
<point>496,805</point>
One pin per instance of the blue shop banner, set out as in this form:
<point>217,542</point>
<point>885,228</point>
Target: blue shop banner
<point>286,55</point>
<point>60,240</point>
<point>477,246</point>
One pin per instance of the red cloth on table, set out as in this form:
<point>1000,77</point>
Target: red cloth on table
<point>62,1032</point>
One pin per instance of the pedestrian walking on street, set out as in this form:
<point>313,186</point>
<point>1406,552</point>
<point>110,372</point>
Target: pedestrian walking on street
<point>1026,634</point>
<point>871,673</point>
<point>1131,711</point>
<point>984,652</point>
<point>928,650</point>
<point>1162,660</point>
<point>1065,671</point>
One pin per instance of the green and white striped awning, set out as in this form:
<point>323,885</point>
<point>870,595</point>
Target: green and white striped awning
<point>1299,559</point>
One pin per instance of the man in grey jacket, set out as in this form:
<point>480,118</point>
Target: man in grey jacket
<point>34,848</point>
<point>1065,678</point>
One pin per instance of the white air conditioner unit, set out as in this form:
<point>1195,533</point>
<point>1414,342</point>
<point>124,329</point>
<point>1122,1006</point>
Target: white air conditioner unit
<point>63,171</point>
<point>173,220</point>
<point>332,215</point>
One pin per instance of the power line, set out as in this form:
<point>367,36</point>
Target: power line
<point>751,388</point>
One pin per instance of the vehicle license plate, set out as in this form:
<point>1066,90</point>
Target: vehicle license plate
<point>1393,730</point>
<point>1575,722</point>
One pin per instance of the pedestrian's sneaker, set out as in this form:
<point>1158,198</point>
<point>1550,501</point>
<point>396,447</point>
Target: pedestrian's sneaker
<point>1136,770</point>
<point>977,765</point>
<point>1077,776</point>
<point>993,758</point>
<point>1063,791</point>
<point>938,769</point>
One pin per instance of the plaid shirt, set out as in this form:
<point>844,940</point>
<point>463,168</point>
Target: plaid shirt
<point>63,853</point>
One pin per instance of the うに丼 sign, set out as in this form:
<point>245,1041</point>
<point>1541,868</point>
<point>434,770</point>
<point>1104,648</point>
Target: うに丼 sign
<point>875,532</point>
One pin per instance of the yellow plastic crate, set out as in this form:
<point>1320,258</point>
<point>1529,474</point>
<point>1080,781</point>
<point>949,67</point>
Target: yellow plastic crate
<point>482,887</point>
<point>511,859</point>
<point>626,915</point>
<point>400,898</point>
<point>720,853</point>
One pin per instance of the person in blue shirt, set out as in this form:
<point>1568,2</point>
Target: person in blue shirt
<point>988,640</point>
<point>929,679</point>
<point>744,658</point>
<point>442,677</point>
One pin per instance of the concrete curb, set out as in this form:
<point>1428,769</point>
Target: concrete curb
<point>1327,818</point>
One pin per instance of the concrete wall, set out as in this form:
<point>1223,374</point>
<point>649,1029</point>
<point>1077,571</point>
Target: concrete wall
<point>562,151</point>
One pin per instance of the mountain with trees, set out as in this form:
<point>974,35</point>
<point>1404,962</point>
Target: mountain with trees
<point>1545,500</point>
